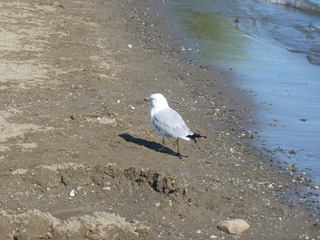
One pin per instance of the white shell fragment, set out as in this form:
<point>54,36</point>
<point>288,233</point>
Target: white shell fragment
<point>72,193</point>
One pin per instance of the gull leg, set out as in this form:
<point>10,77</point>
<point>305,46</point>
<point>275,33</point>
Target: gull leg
<point>162,146</point>
<point>162,149</point>
<point>178,146</point>
<point>178,149</point>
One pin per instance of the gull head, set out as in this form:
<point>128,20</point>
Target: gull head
<point>158,101</point>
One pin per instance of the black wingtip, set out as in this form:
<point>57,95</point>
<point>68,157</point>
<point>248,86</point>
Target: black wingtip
<point>195,136</point>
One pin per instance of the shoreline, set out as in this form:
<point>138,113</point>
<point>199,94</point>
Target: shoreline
<point>83,141</point>
<point>247,109</point>
<point>275,131</point>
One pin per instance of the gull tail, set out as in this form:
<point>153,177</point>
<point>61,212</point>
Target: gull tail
<point>195,136</point>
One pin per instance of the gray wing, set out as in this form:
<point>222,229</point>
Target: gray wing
<point>169,123</point>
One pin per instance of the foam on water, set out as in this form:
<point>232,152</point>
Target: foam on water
<point>303,5</point>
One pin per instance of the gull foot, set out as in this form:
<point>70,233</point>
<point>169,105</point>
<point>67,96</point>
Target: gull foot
<point>179,155</point>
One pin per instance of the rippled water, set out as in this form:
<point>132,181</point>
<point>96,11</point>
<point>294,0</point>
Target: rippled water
<point>274,48</point>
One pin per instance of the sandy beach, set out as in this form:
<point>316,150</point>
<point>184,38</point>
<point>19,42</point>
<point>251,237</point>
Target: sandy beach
<point>79,156</point>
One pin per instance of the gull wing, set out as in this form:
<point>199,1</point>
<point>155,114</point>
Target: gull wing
<point>168,123</point>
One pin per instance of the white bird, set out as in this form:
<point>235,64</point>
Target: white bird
<point>167,122</point>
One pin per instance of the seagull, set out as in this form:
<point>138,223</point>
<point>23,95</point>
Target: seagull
<point>168,123</point>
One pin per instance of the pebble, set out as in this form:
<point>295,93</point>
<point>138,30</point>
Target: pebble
<point>134,220</point>
<point>233,226</point>
<point>293,152</point>
<point>157,204</point>
<point>316,226</point>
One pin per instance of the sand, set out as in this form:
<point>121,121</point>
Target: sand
<point>78,152</point>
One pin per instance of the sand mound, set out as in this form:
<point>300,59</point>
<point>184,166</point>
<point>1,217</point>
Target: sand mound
<point>100,225</point>
<point>76,201</point>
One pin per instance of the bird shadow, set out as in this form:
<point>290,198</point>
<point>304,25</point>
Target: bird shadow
<point>148,144</point>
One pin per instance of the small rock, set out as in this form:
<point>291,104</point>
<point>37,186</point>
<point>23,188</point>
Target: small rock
<point>233,226</point>
<point>106,188</point>
<point>316,226</point>
<point>72,193</point>
<point>157,204</point>
<point>134,220</point>
<point>293,152</point>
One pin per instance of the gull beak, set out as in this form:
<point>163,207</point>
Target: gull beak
<point>147,99</point>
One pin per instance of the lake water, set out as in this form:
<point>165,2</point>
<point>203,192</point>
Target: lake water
<point>273,46</point>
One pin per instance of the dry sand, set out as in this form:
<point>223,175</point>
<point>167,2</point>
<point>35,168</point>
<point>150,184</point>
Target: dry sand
<point>78,153</point>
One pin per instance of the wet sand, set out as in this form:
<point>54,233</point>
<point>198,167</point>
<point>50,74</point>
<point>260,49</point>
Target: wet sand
<point>78,153</point>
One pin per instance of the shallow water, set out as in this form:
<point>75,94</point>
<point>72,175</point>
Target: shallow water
<point>274,49</point>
